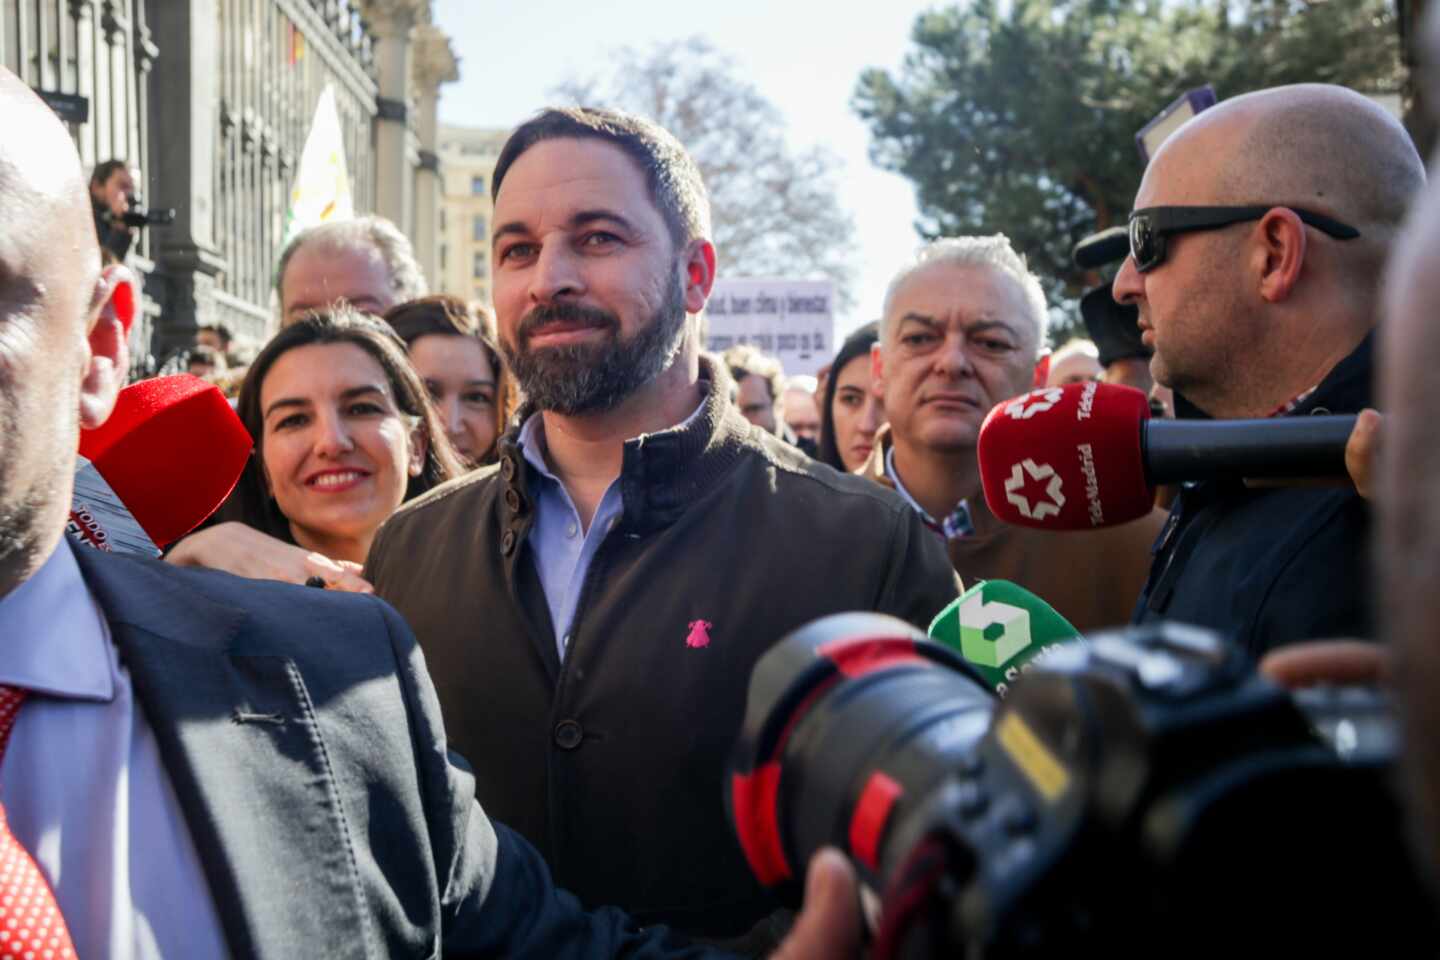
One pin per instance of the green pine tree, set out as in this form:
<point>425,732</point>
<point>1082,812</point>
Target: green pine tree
<point>1019,117</point>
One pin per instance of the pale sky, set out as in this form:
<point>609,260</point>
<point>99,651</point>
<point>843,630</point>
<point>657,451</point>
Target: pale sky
<point>804,55</point>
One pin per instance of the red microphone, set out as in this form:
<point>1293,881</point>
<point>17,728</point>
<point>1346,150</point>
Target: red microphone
<point>171,452</point>
<point>1066,458</point>
<point>1088,455</point>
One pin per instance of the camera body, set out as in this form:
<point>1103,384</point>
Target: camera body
<point>138,216</point>
<point>1146,791</point>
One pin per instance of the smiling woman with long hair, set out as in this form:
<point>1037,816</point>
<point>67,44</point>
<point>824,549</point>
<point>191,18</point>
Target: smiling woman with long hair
<point>452,346</point>
<point>344,433</point>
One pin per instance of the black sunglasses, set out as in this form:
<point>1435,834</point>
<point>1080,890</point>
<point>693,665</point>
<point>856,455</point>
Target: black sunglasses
<point>1150,227</point>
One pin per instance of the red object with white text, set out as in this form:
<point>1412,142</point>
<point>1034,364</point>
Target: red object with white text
<point>1067,458</point>
<point>172,451</point>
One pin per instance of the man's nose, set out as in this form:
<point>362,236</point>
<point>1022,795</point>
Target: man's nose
<point>1128,286</point>
<point>953,357</point>
<point>556,275</point>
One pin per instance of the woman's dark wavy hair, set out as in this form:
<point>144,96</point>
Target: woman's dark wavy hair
<point>855,345</point>
<point>251,502</point>
<point>447,316</point>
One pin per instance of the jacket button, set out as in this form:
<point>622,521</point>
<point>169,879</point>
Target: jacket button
<point>507,468</point>
<point>514,501</point>
<point>568,734</point>
<point>507,542</point>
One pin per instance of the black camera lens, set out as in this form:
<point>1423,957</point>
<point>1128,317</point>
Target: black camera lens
<point>850,723</point>
<point>1144,789</point>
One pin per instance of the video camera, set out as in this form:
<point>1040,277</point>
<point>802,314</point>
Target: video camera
<point>1146,790</point>
<point>138,216</point>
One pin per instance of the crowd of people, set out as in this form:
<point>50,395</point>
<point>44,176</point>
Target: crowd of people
<point>574,532</point>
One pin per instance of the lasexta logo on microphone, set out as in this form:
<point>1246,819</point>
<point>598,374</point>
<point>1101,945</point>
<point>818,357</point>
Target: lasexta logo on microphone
<point>992,632</point>
<point>1044,484</point>
<point>1001,630</point>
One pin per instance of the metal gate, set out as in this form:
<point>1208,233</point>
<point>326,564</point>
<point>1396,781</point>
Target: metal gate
<point>276,56</point>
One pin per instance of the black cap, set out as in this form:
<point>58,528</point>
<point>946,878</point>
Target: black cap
<point>1098,249</point>
<point>1115,327</point>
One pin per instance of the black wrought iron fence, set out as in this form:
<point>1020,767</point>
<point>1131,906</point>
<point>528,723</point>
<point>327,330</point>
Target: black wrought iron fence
<point>276,57</point>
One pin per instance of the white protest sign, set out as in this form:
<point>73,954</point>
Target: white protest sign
<point>790,319</point>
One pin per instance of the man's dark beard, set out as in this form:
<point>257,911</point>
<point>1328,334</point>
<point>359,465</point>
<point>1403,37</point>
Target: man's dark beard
<point>19,534</point>
<point>583,378</point>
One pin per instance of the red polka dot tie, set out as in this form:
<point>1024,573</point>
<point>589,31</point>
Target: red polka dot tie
<point>31,927</point>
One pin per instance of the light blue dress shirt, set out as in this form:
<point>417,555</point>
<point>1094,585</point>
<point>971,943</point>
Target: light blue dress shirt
<point>563,549</point>
<point>83,785</point>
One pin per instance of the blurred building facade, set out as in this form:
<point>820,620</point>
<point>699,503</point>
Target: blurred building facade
<point>212,100</point>
<point>467,158</point>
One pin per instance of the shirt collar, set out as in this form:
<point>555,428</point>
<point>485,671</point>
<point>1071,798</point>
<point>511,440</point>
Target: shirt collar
<point>958,524</point>
<point>1289,406</point>
<point>55,640</point>
<point>531,439</point>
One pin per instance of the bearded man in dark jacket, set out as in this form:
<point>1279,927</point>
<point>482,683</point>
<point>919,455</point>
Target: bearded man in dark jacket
<point>1263,304</point>
<point>592,605</point>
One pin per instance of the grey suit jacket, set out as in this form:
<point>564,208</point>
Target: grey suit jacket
<point>303,738</point>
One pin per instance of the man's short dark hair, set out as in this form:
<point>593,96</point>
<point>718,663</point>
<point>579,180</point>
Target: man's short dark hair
<point>209,355</point>
<point>220,330</point>
<point>104,171</point>
<point>676,187</point>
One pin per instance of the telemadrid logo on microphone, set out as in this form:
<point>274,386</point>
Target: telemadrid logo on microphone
<point>1036,401</point>
<point>1041,508</point>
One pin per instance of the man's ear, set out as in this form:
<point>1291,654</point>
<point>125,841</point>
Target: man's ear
<point>108,364</point>
<point>1280,253</point>
<point>699,274</point>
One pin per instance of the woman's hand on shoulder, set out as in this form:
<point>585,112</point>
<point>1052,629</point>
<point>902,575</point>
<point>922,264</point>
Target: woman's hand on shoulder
<point>246,552</point>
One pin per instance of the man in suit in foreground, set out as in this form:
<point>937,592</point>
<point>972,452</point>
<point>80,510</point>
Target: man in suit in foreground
<point>206,766</point>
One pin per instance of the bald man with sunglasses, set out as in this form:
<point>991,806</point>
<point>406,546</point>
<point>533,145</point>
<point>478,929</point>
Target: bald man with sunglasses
<point>1257,243</point>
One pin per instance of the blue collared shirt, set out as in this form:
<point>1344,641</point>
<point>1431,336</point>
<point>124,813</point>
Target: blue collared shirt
<point>563,549</point>
<point>83,785</point>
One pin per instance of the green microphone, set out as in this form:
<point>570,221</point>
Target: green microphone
<point>1001,629</point>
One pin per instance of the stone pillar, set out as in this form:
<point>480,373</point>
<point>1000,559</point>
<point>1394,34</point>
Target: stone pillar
<point>182,163</point>
<point>435,63</point>
<point>392,22</point>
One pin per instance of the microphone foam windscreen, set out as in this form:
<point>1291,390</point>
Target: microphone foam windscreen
<point>1066,458</point>
<point>172,451</point>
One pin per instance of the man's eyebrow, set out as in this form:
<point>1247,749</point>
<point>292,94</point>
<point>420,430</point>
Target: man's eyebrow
<point>984,325</point>
<point>584,217</point>
<point>922,318</point>
<point>513,227</point>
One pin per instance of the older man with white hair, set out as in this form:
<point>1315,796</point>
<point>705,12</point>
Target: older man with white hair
<point>961,331</point>
<point>365,262</point>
